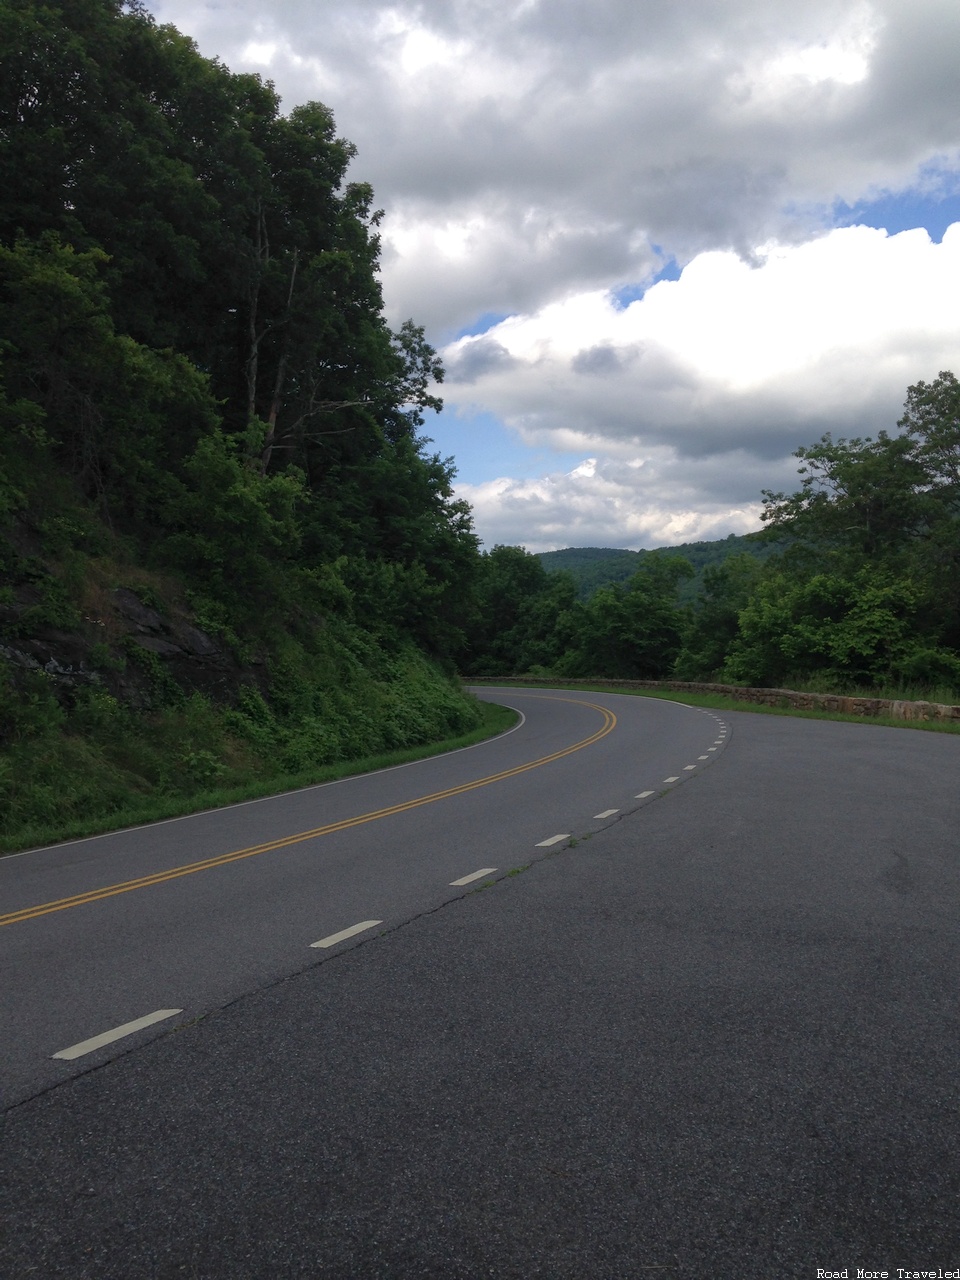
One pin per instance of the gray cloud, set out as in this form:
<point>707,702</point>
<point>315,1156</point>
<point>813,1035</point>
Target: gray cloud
<point>584,134</point>
<point>477,358</point>
<point>603,360</point>
<point>624,503</point>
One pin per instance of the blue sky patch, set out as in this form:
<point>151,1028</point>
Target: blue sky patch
<point>933,202</point>
<point>902,211</point>
<point>482,324</point>
<point>485,449</point>
<point>628,293</point>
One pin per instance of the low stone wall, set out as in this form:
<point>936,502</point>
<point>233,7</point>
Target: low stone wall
<point>851,706</point>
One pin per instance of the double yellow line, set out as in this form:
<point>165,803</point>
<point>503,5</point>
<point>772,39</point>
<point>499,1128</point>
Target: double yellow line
<point>208,864</point>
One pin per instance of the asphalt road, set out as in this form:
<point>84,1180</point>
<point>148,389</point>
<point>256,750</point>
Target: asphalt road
<point>716,1038</point>
<point>235,898</point>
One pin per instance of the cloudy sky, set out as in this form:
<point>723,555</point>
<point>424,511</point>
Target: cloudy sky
<point>661,245</point>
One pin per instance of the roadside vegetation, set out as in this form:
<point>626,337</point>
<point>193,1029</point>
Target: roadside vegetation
<point>154,768</point>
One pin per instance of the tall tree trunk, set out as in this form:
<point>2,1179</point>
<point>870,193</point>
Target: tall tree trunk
<point>271,436</point>
<point>251,368</point>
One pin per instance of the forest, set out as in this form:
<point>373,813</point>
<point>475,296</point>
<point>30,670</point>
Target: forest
<point>594,567</point>
<point>228,555</point>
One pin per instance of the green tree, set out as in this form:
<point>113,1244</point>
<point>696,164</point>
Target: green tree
<point>545,627</point>
<point>633,631</point>
<point>190,292</point>
<point>116,415</point>
<point>508,579</point>
<point>860,630</point>
<point>870,590</point>
<point>715,623</point>
<point>931,420</point>
<point>860,498</point>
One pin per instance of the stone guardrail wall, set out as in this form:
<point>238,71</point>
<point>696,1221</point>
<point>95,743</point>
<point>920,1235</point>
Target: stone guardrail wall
<point>847,705</point>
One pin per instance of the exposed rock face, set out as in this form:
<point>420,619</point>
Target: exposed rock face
<point>196,642</point>
<point>134,610</point>
<point>61,655</point>
<point>104,652</point>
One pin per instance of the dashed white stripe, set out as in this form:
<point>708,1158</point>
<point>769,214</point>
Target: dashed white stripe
<point>108,1037</point>
<point>688,767</point>
<point>607,813</point>
<point>671,779</point>
<point>703,757</point>
<point>474,875</point>
<point>334,938</point>
<point>643,795</point>
<point>544,844</point>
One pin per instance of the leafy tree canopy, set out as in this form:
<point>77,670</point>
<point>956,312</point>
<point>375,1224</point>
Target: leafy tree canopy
<point>191,320</point>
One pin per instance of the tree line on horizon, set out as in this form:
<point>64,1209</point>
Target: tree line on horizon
<point>857,586</point>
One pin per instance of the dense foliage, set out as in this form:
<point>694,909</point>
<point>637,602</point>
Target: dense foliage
<point>192,322</point>
<point>201,401</point>
<point>870,592</point>
<point>532,621</point>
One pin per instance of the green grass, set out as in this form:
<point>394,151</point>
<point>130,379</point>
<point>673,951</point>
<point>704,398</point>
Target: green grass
<point>720,702</point>
<point>495,720</point>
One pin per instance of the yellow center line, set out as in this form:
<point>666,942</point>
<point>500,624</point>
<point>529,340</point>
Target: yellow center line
<point>207,864</point>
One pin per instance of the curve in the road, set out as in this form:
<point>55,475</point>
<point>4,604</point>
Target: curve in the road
<point>207,864</point>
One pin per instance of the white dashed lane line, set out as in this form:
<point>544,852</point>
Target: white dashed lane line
<point>334,938</point>
<point>139,1024</point>
<point>108,1037</point>
<point>474,875</point>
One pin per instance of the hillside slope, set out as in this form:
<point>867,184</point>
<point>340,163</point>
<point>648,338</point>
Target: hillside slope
<point>225,554</point>
<point>594,567</point>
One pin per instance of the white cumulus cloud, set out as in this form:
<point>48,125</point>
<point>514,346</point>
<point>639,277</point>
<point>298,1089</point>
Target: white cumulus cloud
<point>706,385</point>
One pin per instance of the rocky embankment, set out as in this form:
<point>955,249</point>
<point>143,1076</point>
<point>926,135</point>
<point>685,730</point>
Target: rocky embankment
<point>128,648</point>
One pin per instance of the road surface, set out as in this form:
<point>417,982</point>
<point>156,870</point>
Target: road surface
<point>710,1031</point>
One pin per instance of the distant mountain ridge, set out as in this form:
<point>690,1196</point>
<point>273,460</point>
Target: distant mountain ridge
<point>594,567</point>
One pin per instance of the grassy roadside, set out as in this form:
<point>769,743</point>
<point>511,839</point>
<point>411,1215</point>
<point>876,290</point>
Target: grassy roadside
<point>718,702</point>
<point>495,720</point>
